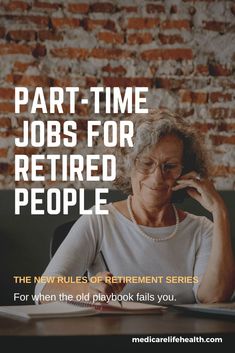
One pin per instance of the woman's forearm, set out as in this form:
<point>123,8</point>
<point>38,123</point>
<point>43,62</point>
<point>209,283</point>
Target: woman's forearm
<point>218,281</point>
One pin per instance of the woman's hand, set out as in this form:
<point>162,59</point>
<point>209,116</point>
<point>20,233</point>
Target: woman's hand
<point>201,190</point>
<point>101,286</point>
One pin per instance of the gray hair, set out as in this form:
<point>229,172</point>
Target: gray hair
<point>148,130</point>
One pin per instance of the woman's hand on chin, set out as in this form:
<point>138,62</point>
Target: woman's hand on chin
<point>202,190</point>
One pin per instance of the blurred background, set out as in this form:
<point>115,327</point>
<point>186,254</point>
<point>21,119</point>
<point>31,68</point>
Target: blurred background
<point>182,50</point>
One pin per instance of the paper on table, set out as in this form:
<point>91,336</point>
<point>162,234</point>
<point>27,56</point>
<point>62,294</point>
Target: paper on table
<point>126,307</point>
<point>73,309</point>
<point>213,309</point>
<point>49,310</point>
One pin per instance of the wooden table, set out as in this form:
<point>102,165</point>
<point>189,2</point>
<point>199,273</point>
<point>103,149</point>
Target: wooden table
<point>170,322</point>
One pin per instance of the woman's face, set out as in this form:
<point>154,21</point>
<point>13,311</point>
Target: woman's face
<point>156,171</point>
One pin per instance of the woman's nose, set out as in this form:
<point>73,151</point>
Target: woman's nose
<point>158,175</point>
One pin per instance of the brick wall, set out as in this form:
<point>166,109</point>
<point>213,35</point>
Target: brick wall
<point>183,50</point>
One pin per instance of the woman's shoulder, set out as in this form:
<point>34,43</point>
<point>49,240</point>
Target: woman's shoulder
<point>200,222</point>
<point>97,217</point>
<point>121,207</point>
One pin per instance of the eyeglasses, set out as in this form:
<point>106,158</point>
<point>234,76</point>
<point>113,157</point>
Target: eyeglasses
<point>148,166</point>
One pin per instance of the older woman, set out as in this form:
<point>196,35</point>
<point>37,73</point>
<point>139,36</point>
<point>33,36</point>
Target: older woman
<point>146,235</point>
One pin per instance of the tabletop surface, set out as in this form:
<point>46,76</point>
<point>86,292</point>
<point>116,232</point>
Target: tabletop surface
<point>169,322</point>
